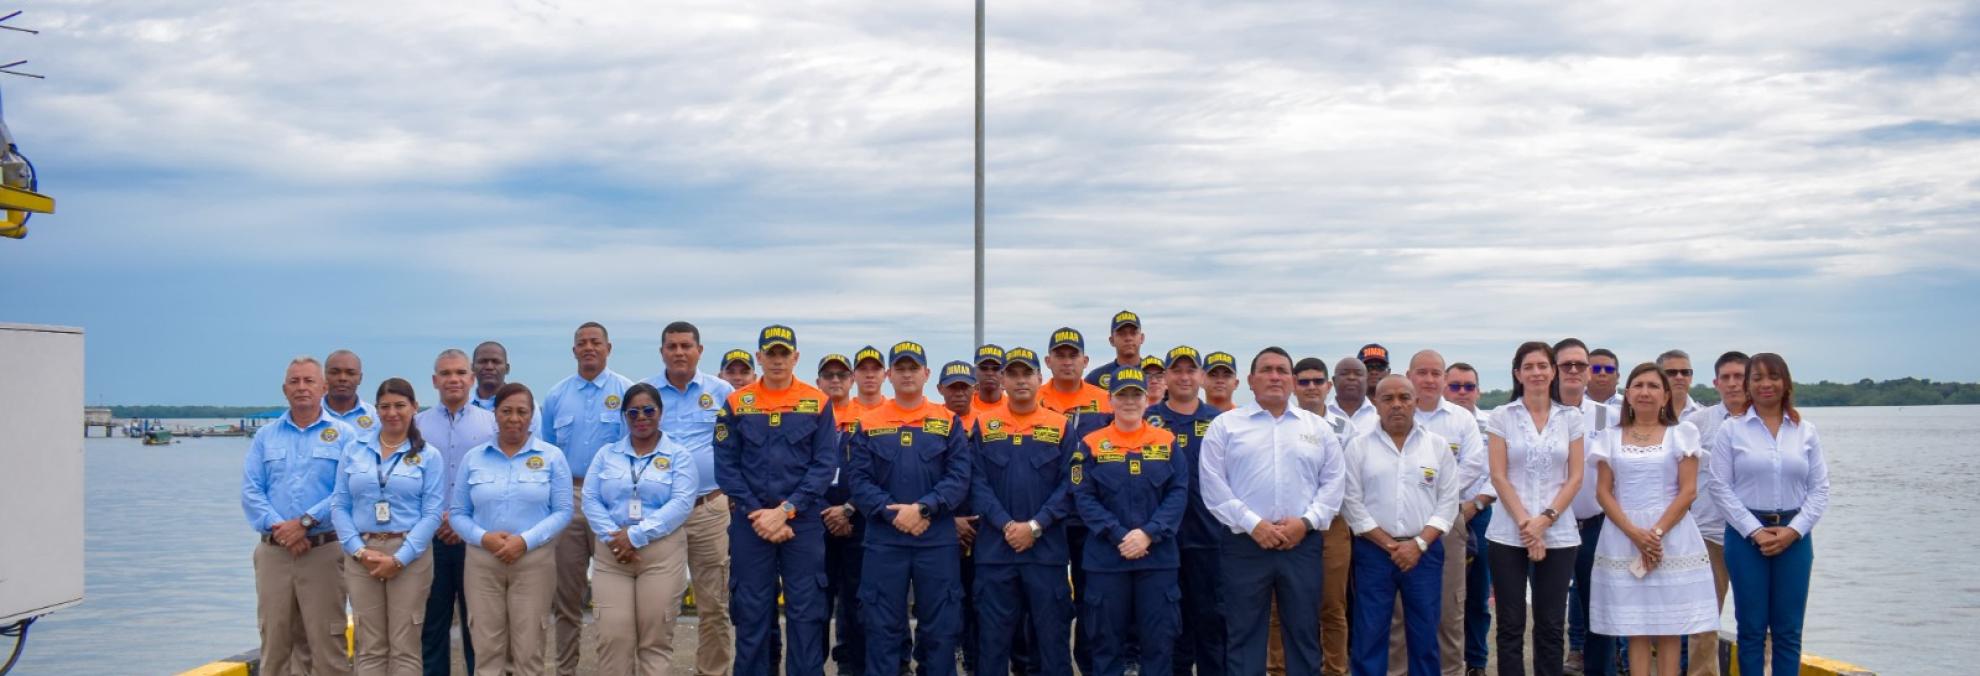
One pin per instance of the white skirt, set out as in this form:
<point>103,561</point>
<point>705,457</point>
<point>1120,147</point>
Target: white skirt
<point>1676,599</point>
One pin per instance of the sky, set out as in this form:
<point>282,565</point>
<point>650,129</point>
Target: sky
<point>239,183</point>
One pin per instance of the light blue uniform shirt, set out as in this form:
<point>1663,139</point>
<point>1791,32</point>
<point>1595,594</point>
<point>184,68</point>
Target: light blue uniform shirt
<point>291,470</point>
<point>688,416</point>
<point>535,421</point>
<point>362,418</point>
<point>454,433</point>
<point>664,478</point>
<point>529,494</point>
<point>584,414</point>
<point>413,488</point>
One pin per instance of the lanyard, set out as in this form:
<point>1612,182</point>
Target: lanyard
<point>385,471</point>
<point>639,469</point>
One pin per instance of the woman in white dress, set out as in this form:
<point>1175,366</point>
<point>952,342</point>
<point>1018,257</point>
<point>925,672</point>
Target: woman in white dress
<point>1653,577</point>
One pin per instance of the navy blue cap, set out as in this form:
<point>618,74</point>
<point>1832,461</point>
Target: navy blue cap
<point>1066,335</point>
<point>1125,318</point>
<point>774,335</point>
<point>957,372</point>
<point>1022,355</point>
<point>835,357</point>
<point>1126,378</point>
<point>1151,363</point>
<point>907,349</point>
<point>1216,360</point>
<point>869,352</point>
<point>734,356</point>
<point>1181,352</point>
<point>990,353</point>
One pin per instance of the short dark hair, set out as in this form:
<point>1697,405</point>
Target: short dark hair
<point>1571,342</point>
<point>1604,352</point>
<point>493,344</point>
<point>1311,364</point>
<point>1270,350</point>
<point>592,325</point>
<point>641,389</point>
<point>1733,357</point>
<point>1461,366</point>
<point>681,327</point>
<point>512,389</point>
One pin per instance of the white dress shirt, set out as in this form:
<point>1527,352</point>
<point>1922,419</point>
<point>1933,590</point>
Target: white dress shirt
<point>1364,418</point>
<point>1401,490</point>
<point>1752,469</point>
<point>1466,443</point>
<point>1536,465</point>
<point>1596,418</point>
<point>1703,509</point>
<point>1258,468</point>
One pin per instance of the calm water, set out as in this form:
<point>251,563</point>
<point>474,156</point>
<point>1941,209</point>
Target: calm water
<point>171,585</point>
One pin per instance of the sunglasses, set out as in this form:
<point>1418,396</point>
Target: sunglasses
<point>1462,387</point>
<point>1312,382</point>
<point>647,411</point>
<point>1678,373</point>
<point>835,375</point>
<point>1574,366</point>
<point>1602,369</point>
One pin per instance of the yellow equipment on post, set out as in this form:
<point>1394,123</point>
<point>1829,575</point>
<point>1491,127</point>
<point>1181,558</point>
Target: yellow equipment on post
<point>17,187</point>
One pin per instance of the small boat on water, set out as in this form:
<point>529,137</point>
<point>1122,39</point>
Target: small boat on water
<point>158,436</point>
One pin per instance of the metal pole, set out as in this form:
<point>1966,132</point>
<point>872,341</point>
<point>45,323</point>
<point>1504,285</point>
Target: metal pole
<point>979,175</point>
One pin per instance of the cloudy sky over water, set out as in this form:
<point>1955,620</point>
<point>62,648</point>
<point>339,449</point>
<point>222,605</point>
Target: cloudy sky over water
<point>242,182</point>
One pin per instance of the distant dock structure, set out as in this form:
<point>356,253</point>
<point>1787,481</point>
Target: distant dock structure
<point>99,416</point>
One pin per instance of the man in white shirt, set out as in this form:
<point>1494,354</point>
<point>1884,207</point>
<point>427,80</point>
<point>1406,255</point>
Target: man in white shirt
<point>1466,446</point>
<point>1403,484</point>
<point>1729,378</point>
<point>1351,395</point>
<point>1461,388</point>
<point>1272,475</point>
<point>1311,389</point>
<point>1677,366</point>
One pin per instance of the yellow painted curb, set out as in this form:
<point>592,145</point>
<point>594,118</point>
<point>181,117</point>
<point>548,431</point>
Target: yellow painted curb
<point>219,669</point>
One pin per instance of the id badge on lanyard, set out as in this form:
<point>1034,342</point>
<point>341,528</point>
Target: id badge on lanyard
<point>636,511</point>
<point>384,509</point>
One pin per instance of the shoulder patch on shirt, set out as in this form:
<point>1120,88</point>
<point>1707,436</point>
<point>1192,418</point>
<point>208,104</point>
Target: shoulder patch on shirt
<point>807,406</point>
<point>1134,466</point>
<point>935,426</point>
<point>996,436</point>
<point>364,422</point>
<point>1047,435</point>
<point>1106,445</point>
<point>907,438</point>
<point>412,460</point>
<point>1110,457</point>
<point>1156,452</point>
<point>1202,426</point>
<point>994,425</point>
<point>611,402</point>
<point>881,431</point>
<point>707,402</point>
<point>749,399</point>
<point>1078,473</point>
<point>329,434</point>
<point>534,462</point>
<point>1156,421</point>
<point>721,432</point>
<point>663,463</point>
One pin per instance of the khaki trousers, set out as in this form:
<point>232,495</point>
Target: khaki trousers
<point>388,614</point>
<point>300,595</point>
<point>637,604</point>
<point>509,610</point>
<point>707,531</point>
<point>573,547</point>
<point>1704,646</point>
<point>1450,618</point>
<point>1336,552</point>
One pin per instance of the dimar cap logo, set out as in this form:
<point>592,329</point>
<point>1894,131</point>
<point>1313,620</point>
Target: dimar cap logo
<point>707,402</point>
<point>907,349</point>
<point>733,356</point>
<point>1125,318</point>
<point>1067,336</point>
<point>1151,362</point>
<point>1220,359</point>
<point>868,352</point>
<point>1021,355</point>
<point>329,434</point>
<point>958,369</point>
<point>990,353</point>
<point>775,335</point>
<point>1179,353</point>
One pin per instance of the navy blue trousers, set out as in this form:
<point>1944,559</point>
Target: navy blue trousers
<point>1254,577</point>
<point>1377,580</point>
<point>843,557</point>
<point>1202,648</point>
<point>436,651</point>
<point>1005,595</point>
<point>758,570</point>
<point>1140,608</point>
<point>935,575</point>
<point>1477,594</point>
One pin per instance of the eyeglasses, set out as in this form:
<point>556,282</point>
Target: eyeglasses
<point>1462,387</point>
<point>1312,382</point>
<point>1602,369</point>
<point>1678,373</point>
<point>648,411</point>
<point>1574,366</point>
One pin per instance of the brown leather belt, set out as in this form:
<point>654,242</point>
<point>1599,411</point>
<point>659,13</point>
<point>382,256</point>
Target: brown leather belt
<point>317,540</point>
<point>710,496</point>
<point>381,537</point>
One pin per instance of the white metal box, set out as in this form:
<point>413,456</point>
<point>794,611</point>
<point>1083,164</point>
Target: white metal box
<point>41,470</point>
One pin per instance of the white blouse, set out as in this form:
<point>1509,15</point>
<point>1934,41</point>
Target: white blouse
<point>1755,470</point>
<point>1537,467</point>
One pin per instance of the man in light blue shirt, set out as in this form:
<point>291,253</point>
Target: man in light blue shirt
<point>286,481</point>
<point>491,372</point>
<point>454,427</point>
<point>584,416</point>
<point>689,402</point>
<point>343,372</point>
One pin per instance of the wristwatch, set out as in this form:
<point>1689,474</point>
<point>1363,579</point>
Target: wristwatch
<point>790,510</point>
<point>851,511</point>
<point>307,522</point>
<point>1421,546</point>
<point>1551,515</point>
<point>1659,532</point>
<point>925,511</point>
<point>1037,531</point>
<point>1477,506</point>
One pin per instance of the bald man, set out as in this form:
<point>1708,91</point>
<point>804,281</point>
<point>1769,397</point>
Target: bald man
<point>1458,429</point>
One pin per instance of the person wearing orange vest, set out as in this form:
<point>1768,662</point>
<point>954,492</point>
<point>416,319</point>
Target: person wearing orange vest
<point>910,477</point>
<point>1132,497</point>
<point>1086,408</point>
<point>989,377</point>
<point>1019,489</point>
<point>842,531</point>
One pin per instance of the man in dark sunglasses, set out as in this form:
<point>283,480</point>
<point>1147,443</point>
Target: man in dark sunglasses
<point>1677,367</point>
<point>1310,385</point>
<point>1605,377</point>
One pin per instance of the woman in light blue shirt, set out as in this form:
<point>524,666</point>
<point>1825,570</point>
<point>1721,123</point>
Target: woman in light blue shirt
<point>511,497</point>
<point>1771,484</point>
<point>385,506</point>
<point>637,493</point>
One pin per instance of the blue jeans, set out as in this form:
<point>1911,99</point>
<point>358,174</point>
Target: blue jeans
<point>1598,652</point>
<point>1770,596</point>
<point>1378,581</point>
<point>1477,593</point>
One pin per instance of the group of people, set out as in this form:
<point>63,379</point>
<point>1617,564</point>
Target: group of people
<point>1033,516</point>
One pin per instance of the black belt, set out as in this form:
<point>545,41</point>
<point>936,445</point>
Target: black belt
<point>317,540</point>
<point>1582,524</point>
<point>381,537</point>
<point>1780,518</point>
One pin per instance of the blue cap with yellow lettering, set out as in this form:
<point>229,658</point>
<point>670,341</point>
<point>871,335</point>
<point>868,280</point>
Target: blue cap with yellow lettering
<point>1125,318</point>
<point>775,335</point>
<point>1219,360</point>
<point>907,349</point>
<point>1128,378</point>
<point>1067,335</point>
<point>1152,363</point>
<point>1179,353</point>
<point>990,354</point>
<point>957,372</point>
<point>869,352</point>
<point>738,357</point>
<point>834,358</point>
<point>1022,355</point>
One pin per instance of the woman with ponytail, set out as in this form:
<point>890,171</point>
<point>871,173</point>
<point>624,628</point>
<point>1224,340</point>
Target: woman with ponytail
<point>385,506</point>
